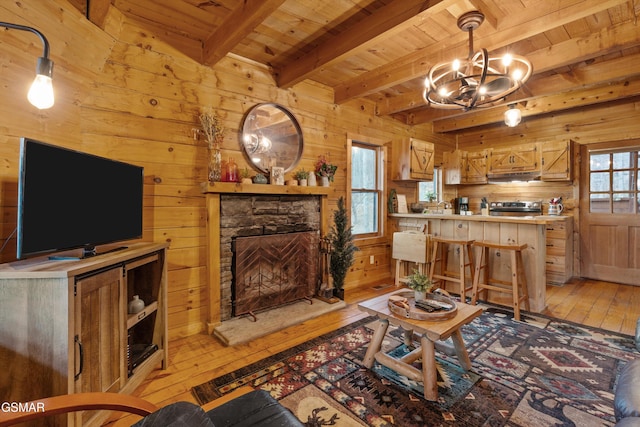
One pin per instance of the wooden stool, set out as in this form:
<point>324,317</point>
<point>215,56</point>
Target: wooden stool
<point>483,282</point>
<point>410,249</point>
<point>460,276</point>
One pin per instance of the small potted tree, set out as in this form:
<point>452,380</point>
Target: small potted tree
<point>420,283</point>
<point>342,248</point>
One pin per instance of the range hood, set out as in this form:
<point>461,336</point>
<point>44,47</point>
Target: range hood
<point>514,176</point>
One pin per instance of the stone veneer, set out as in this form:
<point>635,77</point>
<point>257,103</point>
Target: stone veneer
<point>254,215</point>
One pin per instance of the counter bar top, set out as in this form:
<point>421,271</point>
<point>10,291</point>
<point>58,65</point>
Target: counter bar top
<point>540,219</point>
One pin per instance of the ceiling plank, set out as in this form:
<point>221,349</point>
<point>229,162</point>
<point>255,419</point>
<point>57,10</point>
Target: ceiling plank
<point>393,17</point>
<point>241,21</point>
<point>572,51</point>
<point>415,65</point>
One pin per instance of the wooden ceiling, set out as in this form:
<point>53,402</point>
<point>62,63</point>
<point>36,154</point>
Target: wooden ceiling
<point>583,51</point>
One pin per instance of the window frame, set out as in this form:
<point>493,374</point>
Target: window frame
<point>610,170</point>
<point>381,151</point>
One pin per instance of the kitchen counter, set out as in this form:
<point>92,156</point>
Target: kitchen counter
<point>500,229</point>
<point>539,219</point>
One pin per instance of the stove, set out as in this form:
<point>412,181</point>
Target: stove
<point>518,208</point>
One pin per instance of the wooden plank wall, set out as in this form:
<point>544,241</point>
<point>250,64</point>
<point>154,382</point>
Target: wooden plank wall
<point>124,93</point>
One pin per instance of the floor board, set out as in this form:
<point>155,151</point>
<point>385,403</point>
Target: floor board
<point>198,358</point>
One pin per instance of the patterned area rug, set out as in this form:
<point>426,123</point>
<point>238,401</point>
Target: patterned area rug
<point>537,372</point>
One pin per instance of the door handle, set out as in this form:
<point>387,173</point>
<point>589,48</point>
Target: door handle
<point>81,354</point>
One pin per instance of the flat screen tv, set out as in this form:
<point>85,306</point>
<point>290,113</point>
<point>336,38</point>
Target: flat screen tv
<point>69,200</point>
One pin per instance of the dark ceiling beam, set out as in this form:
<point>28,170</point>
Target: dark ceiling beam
<point>393,17</point>
<point>242,20</point>
<point>416,66</point>
<point>97,11</point>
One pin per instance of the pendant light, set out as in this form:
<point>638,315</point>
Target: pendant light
<point>512,116</point>
<point>480,80</point>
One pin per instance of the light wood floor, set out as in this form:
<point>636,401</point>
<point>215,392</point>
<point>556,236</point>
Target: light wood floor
<point>199,358</point>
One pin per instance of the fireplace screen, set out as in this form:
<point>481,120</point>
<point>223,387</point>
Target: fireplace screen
<point>275,269</point>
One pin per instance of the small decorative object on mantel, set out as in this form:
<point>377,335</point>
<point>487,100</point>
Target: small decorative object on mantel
<point>325,170</point>
<point>259,179</point>
<point>214,132</point>
<point>277,175</point>
<point>311,180</point>
<point>245,176</point>
<point>342,248</point>
<point>302,177</point>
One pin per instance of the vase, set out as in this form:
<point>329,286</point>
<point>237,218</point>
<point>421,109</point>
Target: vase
<point>215,163</point>
<point>136,305</point>
<point>303,183</point>
<point>311,181</point>
<point>324,181</point>
<point>419,296</point>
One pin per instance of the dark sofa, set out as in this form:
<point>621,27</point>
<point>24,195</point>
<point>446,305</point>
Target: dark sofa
<point>243,408</point>
<point>626,403</point>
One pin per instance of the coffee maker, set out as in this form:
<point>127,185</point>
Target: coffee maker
<point>461,205</point>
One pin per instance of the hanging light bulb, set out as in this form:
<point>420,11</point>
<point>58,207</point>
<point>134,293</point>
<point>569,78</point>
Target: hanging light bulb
<point>41,92</point>
<point>512,116</point>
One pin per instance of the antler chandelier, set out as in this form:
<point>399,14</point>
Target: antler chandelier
<point>480,80</point>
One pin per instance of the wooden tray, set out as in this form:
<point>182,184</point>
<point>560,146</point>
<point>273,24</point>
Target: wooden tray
<point>409,310</point>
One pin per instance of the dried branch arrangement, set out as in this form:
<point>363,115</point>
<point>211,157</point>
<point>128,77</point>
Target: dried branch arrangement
<point>212,127</point>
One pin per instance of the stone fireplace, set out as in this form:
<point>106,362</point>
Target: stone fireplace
<point>254,218</point>
<point>249,210</point>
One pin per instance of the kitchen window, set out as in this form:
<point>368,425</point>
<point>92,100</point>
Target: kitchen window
<point>614,181</point>
<point>366,189</point>
<point>429,191</point>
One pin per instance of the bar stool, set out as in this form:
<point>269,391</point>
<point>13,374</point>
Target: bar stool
<point>483,282</point>
<point>460,277</point>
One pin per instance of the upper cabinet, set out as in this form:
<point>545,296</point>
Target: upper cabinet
<point>465,167</point>
<point>413,160</point>
<point>475,167</point>
<point>555,160</point>
<point>519,158</point>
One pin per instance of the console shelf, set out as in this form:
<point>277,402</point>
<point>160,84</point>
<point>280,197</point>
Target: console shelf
<point>70,329</point>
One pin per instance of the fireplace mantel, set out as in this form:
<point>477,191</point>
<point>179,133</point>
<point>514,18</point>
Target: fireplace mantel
<point>232,187</point>
<point>213,192</point>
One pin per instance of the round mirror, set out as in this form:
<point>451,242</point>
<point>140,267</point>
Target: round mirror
<point>271,136</point>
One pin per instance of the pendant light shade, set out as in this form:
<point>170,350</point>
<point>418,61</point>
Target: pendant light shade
<point>480,80</point>
<point>512,116</point>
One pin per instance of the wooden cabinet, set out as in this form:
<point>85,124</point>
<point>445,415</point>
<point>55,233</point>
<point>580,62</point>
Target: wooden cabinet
<point>555,160</point>
<point>69,328</point>
<point>413,160</point>
<point>559,258</point>
<point>452,166</point>
<point>519,158</point>
<point>465,167</point>
<point>475,167</point>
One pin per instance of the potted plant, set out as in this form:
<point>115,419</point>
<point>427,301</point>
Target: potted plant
<point>420,283</point>
<point>325,170</point>
<point>342,248</point>
<point>302,176</point>
<point>245,176</point>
